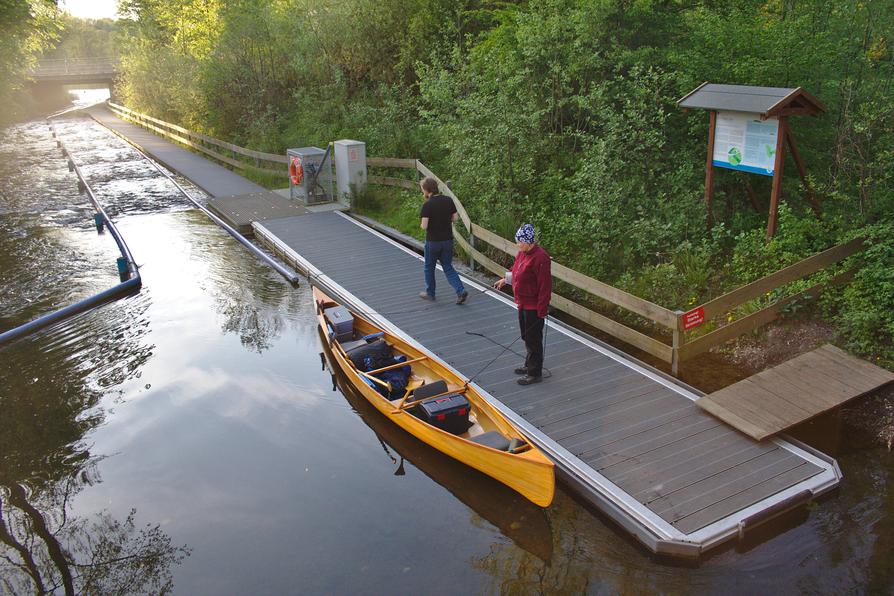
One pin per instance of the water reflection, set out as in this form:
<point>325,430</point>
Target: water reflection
<point>53,386</point>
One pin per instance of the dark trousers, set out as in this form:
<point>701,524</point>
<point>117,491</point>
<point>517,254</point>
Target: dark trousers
<point>532,332</point>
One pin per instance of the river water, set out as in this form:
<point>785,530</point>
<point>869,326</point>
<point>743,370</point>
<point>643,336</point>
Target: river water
<point>189,436</point>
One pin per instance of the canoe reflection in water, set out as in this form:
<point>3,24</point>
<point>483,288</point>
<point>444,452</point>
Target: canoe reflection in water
<point>517,518</point>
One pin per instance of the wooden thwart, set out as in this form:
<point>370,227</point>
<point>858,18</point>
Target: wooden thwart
<point>793,392</point>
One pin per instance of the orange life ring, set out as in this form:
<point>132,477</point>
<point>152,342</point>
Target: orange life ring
<point>296,170</point>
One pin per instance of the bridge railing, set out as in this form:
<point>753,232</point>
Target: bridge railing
<point>203,143</point>
<point>53,67</point>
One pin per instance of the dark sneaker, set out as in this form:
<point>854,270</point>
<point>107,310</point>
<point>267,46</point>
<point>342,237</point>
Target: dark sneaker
<point>529,380</point>
<point>521,370</point>
<point>460,298</point>
<point>426,296</point>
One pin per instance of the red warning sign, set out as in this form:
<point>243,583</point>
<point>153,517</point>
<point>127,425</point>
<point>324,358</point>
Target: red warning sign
<point>693,318</point>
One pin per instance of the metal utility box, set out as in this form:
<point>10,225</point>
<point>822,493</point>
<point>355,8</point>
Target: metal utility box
<point>350,167</point>
<point>310,175</point>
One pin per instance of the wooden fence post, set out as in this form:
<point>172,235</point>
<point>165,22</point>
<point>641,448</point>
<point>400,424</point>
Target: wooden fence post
<point>471,254</point>
<point>677,343</point>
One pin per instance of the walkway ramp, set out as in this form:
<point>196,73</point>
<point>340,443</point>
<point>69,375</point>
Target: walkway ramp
<point>214,179</point>
<point>241,210</point>
<point>781,397</point>
<point>629,439</point>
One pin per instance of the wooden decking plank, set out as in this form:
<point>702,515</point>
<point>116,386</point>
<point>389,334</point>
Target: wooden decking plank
<point>540,409</point>
<point>810,401</point>
<point>597,408</point>
<point>736,420</point>
<point>676,504</point>
<point>660,472</point>
<point>761,399</point>
<point>861,375</point>
<point>594,438</point>
<point>757,493</point>
<point>619,412</point>
<point>755,415</point>
<point>572,405</point>
<point>708,441</point>
<point>562,381</point>
<point>830,391</point>
<point>721,474</point>
<point>821,378</point>
<point>775,382</point>
<point>639,448</point>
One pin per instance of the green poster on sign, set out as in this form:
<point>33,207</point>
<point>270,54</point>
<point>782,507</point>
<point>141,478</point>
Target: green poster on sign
<point>744,142</point>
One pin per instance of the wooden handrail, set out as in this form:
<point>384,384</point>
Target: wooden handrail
<point>755,319</point>
<point>649,310</point>
<point>800,269</point>
<point>272,157</point>
<point>601,322</point>
<point>391,162</point>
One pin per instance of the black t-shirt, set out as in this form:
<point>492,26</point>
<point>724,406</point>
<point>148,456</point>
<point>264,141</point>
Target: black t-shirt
<point>439,210</point>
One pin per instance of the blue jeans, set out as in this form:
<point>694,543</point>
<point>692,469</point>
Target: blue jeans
<point>440,251</point>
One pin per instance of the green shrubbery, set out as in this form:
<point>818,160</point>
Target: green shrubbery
<point>561,113</point>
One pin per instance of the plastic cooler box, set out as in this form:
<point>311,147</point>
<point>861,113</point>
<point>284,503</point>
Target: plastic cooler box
<point>448,412</point>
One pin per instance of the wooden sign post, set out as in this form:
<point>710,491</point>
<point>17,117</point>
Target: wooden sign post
<point>754,132</point>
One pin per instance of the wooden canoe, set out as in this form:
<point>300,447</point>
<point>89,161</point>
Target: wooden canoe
<point>521,466</point>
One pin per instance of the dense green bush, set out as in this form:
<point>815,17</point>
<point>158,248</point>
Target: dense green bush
<point>562,113</point>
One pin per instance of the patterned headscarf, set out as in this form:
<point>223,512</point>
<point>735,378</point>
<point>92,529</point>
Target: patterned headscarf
<point>525,234</point>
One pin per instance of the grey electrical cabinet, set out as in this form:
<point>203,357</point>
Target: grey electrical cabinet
<point>350,168</point>
<point>310,175</point>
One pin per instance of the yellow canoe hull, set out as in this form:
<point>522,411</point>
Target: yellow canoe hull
<point>529,472</point>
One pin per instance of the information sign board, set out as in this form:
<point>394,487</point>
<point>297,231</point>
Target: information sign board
<point>744,142</point>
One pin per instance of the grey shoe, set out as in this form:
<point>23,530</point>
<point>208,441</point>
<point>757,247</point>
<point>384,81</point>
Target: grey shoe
<point>529,380</point>
<point>521,370</point>
<point>460,298</point>
<point>426,296</point>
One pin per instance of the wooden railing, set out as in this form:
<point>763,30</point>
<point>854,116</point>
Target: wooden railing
<point>726,304</point>
<point>201,142</point>
<point>652,312</point>
<point>676,323</point>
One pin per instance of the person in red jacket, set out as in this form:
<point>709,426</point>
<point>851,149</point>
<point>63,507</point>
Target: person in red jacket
<point>532,285</point>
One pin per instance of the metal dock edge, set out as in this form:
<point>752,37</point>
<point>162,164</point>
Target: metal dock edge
<point>656,533</point>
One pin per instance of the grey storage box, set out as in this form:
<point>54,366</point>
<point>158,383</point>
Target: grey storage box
<point>342,322</point>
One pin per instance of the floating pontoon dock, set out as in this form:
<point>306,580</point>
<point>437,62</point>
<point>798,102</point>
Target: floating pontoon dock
<point>625,436</point>
<point>630,439</point>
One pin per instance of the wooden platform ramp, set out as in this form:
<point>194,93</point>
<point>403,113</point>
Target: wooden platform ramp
<point>784,396</point>
<point>624,436</point>
<point>240,210</point>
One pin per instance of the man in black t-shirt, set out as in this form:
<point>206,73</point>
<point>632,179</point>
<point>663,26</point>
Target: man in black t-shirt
<point>437,216</point>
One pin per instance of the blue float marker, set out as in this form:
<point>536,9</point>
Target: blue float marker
<point>122,268</point>
<point>99,221</point>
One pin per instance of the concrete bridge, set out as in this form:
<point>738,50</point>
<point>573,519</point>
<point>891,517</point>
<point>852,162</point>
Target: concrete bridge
<point>77,70</point>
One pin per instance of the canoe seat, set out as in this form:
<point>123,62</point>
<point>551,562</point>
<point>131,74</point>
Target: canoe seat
<point>415,383</point>
<point>492,439</point>
<point>428,390</point>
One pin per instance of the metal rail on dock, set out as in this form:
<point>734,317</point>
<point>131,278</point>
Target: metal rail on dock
<point>131,284</point>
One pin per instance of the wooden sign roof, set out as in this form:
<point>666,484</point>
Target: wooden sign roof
<point>766,101</point>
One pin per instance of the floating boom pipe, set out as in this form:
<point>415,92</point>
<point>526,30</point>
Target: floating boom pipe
<point>128,286</point>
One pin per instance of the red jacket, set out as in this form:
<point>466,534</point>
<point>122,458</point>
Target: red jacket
<point>532,281</point>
